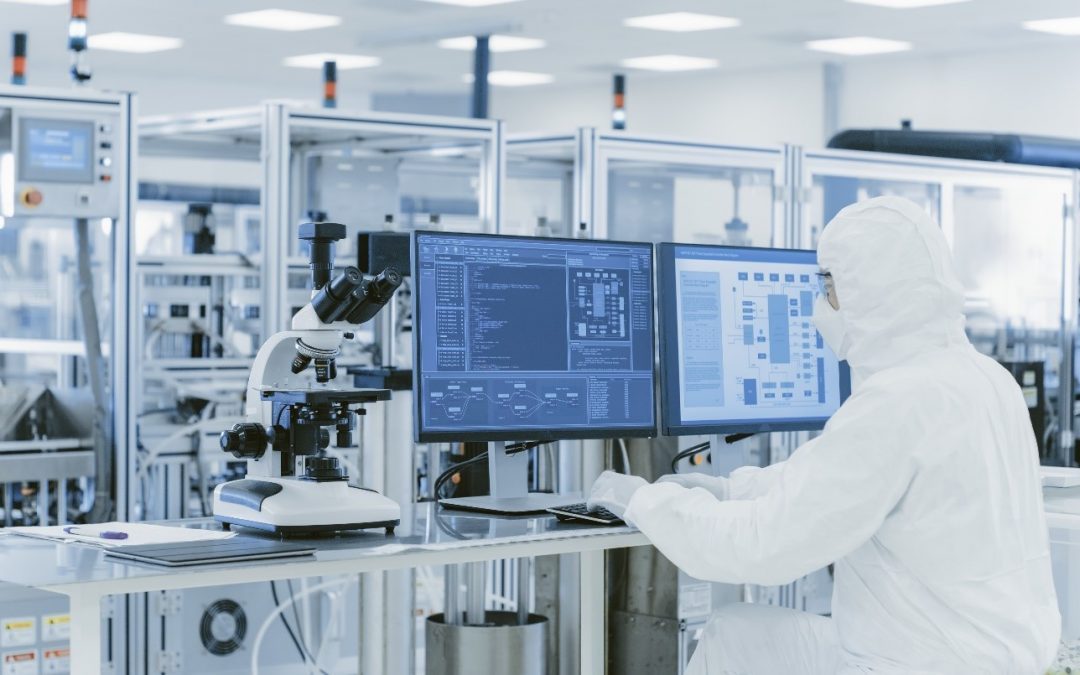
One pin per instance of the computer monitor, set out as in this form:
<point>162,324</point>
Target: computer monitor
<point>739,352</point>
<point>531,339</point>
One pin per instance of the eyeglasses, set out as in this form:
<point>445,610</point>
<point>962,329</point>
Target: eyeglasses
<point>825,282</point>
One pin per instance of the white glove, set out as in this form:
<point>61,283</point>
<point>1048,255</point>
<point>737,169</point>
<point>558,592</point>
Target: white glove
<point>613,491</point>
<point>717,485</point>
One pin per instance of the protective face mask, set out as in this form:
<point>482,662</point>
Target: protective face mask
<point>830,324</point>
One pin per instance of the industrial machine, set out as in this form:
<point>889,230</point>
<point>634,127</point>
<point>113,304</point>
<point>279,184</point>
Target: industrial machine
<point>64,205</point>
<point>291,485</point>
<point>65,209</point>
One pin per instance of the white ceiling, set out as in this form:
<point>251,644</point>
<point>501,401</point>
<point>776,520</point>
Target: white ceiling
<point>586,38</point>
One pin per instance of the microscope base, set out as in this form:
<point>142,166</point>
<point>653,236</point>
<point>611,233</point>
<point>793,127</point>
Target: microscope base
<point>296,507</point>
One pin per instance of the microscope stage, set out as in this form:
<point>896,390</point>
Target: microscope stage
<point>323,396</point>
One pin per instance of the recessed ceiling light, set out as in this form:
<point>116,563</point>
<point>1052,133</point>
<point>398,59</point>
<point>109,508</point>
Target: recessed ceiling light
<point>496,43</point>
<point>907,4</point>
<point>858,46</point>
<point>344,61</point>
<point>38,2</point>
<point>670,63</point>
<point>135,43</point>
<point>471,3</point>
<point>283,19</point>
<point>513,78</point>
<point>681,22</point>
<point>1066,26</point>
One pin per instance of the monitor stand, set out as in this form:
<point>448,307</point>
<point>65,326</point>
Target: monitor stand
<point>508,476</point>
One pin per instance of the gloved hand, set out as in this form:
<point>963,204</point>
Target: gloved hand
<point>717,485</point>
<point>613,491</point>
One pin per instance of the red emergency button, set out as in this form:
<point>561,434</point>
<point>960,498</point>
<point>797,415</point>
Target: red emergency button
<point>31,197</point>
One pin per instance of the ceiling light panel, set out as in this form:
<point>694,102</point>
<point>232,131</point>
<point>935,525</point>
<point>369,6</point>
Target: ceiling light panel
<point>344,61</point>
<point>38,2</point>
<point>670,63</point>
<point>907,4</point>
<point>1066,26</point>
<point>134,43</point>
<point>283,19</point>
<point>496,43</point>
<point>681,22</point>
<point>858,46</point>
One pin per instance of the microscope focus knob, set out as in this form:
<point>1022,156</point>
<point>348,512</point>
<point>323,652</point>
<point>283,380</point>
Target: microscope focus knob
<point>244,440</point>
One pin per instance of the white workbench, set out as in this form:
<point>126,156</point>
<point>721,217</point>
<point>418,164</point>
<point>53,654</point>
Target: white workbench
<point>437,537</point>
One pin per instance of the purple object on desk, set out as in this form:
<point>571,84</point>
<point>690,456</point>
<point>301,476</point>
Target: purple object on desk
<point>107,534</point>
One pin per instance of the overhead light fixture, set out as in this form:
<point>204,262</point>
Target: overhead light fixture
<point>38,2</point>
<point>496,43</point>
<point>344,61</point>
<point>670,63</point>
<point>858,46</point>
<point>1066,26</point>
<point>471,3</point>
<point>134,43</point>
<point>906,4</point>
<point>513,78</point>
<point>283,19</point>
<point>681,22</point>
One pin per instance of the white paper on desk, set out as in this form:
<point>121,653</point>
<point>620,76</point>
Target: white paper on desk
<point>138,534</point>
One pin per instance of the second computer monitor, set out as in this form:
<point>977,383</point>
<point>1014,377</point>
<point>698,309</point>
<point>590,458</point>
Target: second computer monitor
<point>524,338</point>
<point>738,348</point>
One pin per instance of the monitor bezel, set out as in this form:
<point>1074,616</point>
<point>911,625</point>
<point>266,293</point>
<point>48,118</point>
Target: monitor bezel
<point>421,435</point>
<point>671,423</point>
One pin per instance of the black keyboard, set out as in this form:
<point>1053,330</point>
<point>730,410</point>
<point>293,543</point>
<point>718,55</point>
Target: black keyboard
<point>582,513</point>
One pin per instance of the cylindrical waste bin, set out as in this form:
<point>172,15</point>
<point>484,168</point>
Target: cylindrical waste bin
<point>499,646</point>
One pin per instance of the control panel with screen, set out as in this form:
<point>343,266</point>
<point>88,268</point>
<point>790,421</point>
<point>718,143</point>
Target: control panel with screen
<point>56,151</point>
<point>532,338</point>
<point>739,350</point>
<point>70,166</point>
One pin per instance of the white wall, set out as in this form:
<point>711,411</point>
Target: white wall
<point>754,107</point>
<point>1030,91</point>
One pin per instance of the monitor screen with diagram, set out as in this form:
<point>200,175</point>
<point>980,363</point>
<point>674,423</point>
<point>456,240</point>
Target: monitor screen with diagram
<point>739,352</point>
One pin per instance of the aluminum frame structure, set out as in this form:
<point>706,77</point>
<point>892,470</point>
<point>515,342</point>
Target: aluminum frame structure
<point>281,138</point>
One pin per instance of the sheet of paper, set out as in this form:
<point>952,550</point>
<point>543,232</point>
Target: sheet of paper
<point>138,534</point>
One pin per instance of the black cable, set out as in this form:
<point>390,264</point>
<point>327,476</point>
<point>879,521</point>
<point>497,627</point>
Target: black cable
<point>284,621</point>
<point>445,475</point>
<point>687,453</point>
<point>301,649</point>
<point>296,618</point>
<point>515,449</point>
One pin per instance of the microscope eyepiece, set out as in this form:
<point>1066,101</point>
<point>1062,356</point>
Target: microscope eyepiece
<point>374,296</point>
<point>332,302</point>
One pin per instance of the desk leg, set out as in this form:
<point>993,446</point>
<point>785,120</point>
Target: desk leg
<point>593,632</point>
<point>85,633</point>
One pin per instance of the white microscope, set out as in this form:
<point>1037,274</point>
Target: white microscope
<point>292,486</point>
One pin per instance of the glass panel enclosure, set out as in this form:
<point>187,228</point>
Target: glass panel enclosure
<point>1010,232</point>
<point>657,190</point>
<point>221,268</point>
<point>539,189</point>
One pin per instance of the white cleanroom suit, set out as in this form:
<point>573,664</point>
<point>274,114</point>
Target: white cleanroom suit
<point>923,489</point>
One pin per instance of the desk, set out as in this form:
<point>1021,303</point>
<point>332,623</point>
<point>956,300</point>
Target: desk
<point>436,537</point>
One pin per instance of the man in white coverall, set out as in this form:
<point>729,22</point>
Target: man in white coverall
<point>923,489</point>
